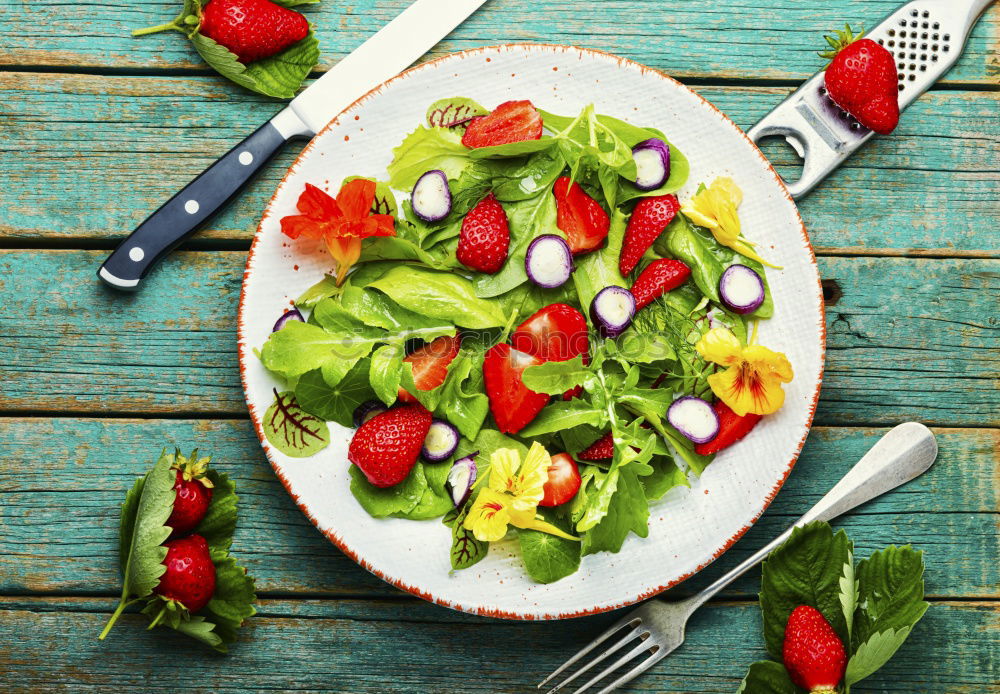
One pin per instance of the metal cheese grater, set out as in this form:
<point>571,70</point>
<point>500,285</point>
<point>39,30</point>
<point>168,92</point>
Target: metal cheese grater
<point>926,37</point>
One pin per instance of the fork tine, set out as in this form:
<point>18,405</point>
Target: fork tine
<point>649,662</point>
<point>615,665</point>
<point>625,640</point>
<point>629,620</point>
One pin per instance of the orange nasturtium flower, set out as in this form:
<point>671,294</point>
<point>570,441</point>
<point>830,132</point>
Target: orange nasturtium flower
<point>714,208</point>
<point>339,222</point>
<point>752,383</point>
<point>511,495</point>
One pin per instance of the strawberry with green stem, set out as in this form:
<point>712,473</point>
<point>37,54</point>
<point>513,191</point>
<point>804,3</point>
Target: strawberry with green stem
<point>862,79</point>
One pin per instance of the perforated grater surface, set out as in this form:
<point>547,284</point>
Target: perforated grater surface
<point>926,37</point>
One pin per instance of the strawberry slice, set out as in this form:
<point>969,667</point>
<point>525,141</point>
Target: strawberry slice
<point>485,237</point>
<point>579,216</point>
<point>430,364</point>
<point>563,483</point>
<point>732,428</point>
<point>512,403</point>
<point>650,217</point>
<point>658,278</point>
<point>385,448</point>
<point>511,121</point>
<point>557,332</point>
<point>601,449</point>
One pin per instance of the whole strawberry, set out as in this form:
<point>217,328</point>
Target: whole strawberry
<point>485,237</point>
<point>649,218</point>
<point>386,447</point>
<point>861,78</point>
<point>190,575</point>
<point>252,29</point>
<point>193,495</point>
<point>813,653</point>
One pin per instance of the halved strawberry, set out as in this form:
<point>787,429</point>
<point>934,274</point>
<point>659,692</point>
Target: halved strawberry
<point>579,216</point>
<point>512,403</point>
<point>386,447</point>
<point>658,278</point>
<point>649,218</point>
<point>557,332</point>
<point>732,428</point>
<point>511,121</point>
<point>601,449</point>
<point>563,483</point>
<point>430,364</point>
<point>485,237</point>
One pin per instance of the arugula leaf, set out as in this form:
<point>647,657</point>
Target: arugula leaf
<point>665,476</point>
<point>556,377</point>
<point>627,511</point>
<point>425,149</point>
<point>379,502</point>
<point>599,269</point>
<point>768,677</point>
<point>453,111</point>
<point>564,414</point>
<point>279,76</point>
<point>805,570</point>
<point>291,429</point>
<point>890,603</point>
<point>438,295</point>
<point>548,558</point>
<point>335,403</point>
<point>466,550</point>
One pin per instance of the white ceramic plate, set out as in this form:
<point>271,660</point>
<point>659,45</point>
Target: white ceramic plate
<point>688,528</point>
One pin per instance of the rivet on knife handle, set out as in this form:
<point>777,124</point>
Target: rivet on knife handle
<point>926,37</point>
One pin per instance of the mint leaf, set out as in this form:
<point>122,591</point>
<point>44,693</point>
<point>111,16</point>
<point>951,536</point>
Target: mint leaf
<point>556,377</point>
<point>335,403</point>
<point>564,414</point>
<point>291,429</point>
<point>548,558</point>
<point>466,550</point>
<point>627,512</point>
<point>890,603</point>
<point>768,677</point>
<point>279,76</point>
<point>805,570</point>
<point>382,502</point>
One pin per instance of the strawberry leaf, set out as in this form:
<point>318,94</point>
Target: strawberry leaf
<point>767,677</point>
<point>146,551</point>
<point>279,76</point>
<point>126,526</point>
<point>292,430</point>
<point>219,523</point>
<point>233,600</point>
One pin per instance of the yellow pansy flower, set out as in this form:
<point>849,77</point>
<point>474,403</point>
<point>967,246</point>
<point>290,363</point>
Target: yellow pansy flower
<point>752,383</point>
<point>715,209</point>
<point>511,495</point>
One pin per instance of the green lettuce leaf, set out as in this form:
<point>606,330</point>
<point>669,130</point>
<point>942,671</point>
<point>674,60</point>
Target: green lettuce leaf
<point>425,149</point>
<point>381,502</point>
<point>441,296</point>
<point>556,377</point>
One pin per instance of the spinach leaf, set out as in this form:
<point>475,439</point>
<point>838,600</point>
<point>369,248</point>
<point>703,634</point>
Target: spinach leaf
<point>599,269</point>
<point>564,414</point>
<point>434,502</point>
<point>440,296</point>
<point>381,502</point>
<point>627,511</point>
<point>335,403</point>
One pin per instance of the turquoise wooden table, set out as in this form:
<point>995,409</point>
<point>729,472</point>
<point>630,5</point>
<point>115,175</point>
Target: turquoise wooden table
<point>98,129</point>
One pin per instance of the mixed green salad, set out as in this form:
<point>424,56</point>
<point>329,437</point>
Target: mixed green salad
<point>532,336</point>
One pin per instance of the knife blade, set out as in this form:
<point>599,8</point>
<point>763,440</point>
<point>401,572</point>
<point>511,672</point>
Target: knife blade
<point>390,50</point>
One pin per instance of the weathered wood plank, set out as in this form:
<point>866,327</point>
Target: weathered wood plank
<point>89,157</point>
<point>698,38</point>
<point>402,646</point>
<point>907,338</point>
<point>63,480</point>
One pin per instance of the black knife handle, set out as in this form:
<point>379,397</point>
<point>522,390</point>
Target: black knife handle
<point>181,215</point>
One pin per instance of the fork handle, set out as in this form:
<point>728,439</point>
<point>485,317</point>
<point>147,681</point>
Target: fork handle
<point>902,454</point>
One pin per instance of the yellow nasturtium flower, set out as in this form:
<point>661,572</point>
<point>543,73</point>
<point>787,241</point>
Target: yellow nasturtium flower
<point>752,383</point>
<point>511,495</point>
<point>715,209</point>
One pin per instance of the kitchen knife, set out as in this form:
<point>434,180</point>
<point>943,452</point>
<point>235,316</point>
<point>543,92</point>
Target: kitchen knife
<point>393,48</point>
<point>925,37</point>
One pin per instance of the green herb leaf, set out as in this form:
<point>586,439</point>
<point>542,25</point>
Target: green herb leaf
<point>425,149</point>
<point>768,677</point>
<point>335,403</point>
<point>146,552</point>
<point>599,269</point>
<point>627,511</point>
<point>379,502</point>
<point>219,523</point>
<point>292,430</point>
<point>279,76</point>
<point>666,475</point>
<point>385,372</point>
<point>556,377</point>
<point>805,570</point>
<point>548,558</point>
<point>453,111</point>
<point>434,501</point>
<point>438,295</point>
<point>466,550</point>
<point>564,414</point>
<point>326,287</point>
<point>232,602</point>
<point>463,400</point>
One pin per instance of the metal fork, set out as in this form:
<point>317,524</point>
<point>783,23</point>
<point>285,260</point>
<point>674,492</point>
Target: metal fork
<point>657,628</point>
